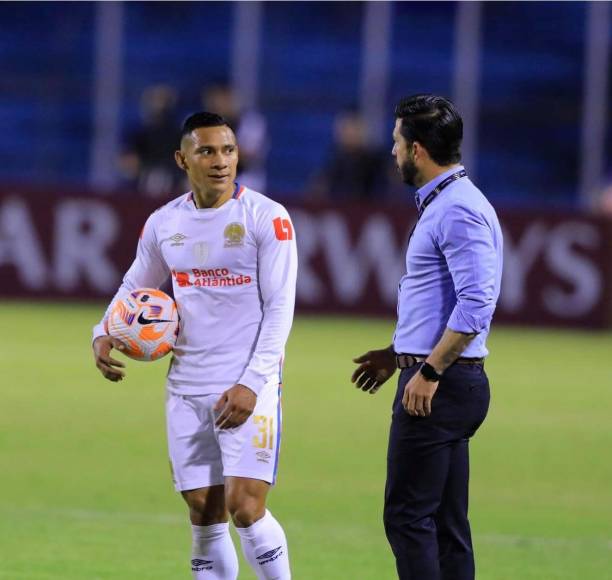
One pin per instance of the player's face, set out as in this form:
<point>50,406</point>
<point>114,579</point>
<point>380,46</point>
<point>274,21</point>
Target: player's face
<point>403,156</point>
<point>209,156</point>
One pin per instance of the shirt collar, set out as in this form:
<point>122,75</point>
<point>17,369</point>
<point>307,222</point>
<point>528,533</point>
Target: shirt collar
<point>424,191</point>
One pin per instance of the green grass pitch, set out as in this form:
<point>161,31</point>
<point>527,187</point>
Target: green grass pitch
<point>85,483</point>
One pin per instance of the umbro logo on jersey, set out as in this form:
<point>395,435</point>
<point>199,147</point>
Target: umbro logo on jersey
<point>177,239</point>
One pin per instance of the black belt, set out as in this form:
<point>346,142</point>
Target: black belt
<point>406,361</point>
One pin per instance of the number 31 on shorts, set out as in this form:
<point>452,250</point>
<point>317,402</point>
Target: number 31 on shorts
<point>265,434</point>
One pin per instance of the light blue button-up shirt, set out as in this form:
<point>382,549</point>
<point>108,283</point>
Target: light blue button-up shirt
<point>453,269</point>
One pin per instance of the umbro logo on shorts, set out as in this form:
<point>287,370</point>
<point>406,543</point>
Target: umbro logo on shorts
<point>263,456</point>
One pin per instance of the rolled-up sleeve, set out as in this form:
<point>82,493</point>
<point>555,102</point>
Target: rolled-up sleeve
<point>467,242</point>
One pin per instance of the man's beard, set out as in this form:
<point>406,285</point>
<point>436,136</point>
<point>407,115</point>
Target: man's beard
<point>408,171</point>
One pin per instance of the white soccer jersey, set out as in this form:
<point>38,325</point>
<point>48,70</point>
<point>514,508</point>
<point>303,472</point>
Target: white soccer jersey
<point>233,272</point>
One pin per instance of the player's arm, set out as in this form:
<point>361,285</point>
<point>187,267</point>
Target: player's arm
<point>466,242</point>
<point>449,349</point>
<point>277,274</point>
<point>148,270</point>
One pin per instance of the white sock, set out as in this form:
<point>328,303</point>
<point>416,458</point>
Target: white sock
<point>265,548</point>
<point>213,556</point>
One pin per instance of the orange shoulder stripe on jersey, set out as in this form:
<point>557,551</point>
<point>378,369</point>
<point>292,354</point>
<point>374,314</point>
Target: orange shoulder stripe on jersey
<point>239,192</point>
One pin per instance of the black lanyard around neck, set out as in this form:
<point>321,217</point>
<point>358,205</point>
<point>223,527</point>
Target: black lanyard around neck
<point>435,192</point>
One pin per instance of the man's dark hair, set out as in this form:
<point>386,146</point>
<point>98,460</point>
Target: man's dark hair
<point>435,123</point>
<point>202,119</point>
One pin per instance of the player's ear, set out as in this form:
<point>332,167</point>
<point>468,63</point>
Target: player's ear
<point>417,150</point>
<point>180,160</point>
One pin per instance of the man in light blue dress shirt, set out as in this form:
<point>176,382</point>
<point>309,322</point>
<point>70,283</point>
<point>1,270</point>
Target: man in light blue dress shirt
<point>446,302</point>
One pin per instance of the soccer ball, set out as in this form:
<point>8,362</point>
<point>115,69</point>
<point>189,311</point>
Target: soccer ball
<point>146,322</point>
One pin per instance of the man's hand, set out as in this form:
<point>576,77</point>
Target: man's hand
<point>105,363</point>
<point>377,366</point>
<point>418,394</point>
<point>235,407</point>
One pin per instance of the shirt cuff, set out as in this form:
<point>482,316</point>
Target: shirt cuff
<point>98,331</point>
<point>465,322</point>
<point>253,380</point>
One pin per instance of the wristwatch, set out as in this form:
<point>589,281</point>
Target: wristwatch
<point>430,373</point>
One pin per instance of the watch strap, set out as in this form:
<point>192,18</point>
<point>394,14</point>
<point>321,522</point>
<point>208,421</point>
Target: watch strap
<point>429,372</point>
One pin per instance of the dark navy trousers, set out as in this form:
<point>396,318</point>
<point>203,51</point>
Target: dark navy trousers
<point>426,495</point>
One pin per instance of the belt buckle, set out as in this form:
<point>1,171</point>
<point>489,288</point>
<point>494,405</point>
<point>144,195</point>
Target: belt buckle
<point>405,361</point>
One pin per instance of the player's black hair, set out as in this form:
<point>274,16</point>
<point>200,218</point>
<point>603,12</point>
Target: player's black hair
<point>435,123</point>
<point>202,119</point>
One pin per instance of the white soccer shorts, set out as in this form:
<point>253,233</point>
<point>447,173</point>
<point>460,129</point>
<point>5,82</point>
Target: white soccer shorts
<point>201,455</point>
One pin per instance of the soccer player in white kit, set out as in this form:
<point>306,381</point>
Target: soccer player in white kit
<point>231,254</point>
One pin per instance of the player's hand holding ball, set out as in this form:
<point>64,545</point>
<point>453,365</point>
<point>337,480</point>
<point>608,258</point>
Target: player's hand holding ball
<point>143,325</point>
<point>146,322</point>
<point>107,365</point>
<point>235,407</point>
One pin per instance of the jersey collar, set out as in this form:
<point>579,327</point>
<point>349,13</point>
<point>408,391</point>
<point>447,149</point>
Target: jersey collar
<point>238,191</point>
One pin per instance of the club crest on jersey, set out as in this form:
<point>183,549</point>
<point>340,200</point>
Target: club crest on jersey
<point>200,253</point>
<point>234,235</point>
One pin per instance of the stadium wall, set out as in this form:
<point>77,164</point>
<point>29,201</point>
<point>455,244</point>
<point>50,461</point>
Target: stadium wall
<point>558,265</point>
